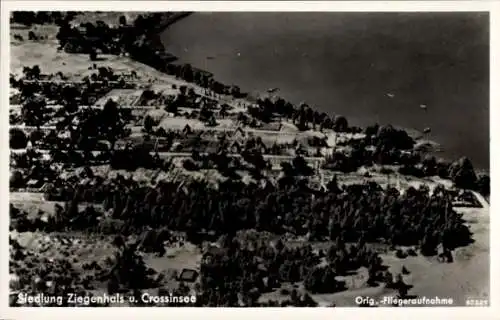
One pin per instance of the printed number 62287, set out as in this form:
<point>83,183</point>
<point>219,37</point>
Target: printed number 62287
<point>476,302</point>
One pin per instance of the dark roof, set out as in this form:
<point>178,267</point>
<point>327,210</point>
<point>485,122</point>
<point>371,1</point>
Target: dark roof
<point>188,275</point>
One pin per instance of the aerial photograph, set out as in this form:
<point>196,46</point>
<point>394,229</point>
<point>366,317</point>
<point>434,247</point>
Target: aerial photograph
<point>249,159</point>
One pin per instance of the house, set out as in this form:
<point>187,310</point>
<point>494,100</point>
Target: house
<point>239,133</point>
<point>211,251</point>
<point>34,183</point>
<point>46,187</point>
<point>188,275</point>
<point>187,129</point>
<point>235,147</point>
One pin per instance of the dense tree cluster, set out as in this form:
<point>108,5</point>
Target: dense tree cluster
<point>128,271</point>
<point>42,17</point>
<point>18,139</point>
<point>390,138</point>
<point>354,213</point>
<point>238,274</point>
<point>483,185</point>
<point>139,39</point>
<point>304,117</point>
<point>462,173</point>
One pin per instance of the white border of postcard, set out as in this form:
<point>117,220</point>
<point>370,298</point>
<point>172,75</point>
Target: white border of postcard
<point>264,313</point>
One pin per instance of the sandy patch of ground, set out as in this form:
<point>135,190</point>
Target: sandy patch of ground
<point>174,261</point>
<point>47,31</point>
<point>32,203</point>
<point>468,275</point>
<point>76,247</point>
<point>76,66</point>
<point>157,114</point>
<point>50,60</point>
<point>124,97</point>
<point>396,180</point>
<point>176,258</point>
<point>26,197</point>
<point>180,123</point>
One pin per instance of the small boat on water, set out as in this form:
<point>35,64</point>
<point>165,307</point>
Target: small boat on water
<point>272,90</point>
<point>210,58</point>
<point>427,130</point>
<point>423,107</point>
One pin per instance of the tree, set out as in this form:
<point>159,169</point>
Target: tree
<point>443,169</point>
<point>16,179</point>
<point>18,139</point>
<point>429,166</point>
<point>148,123</point>
<point>32,36</point>
<point>224,108</point>
<point>372,130</point>
<point>93,54</point>
<point>333,185</point>
<point>35,136</point>
<point>24,17</point>
<point>112,125</point>
<point>187,72</point>
<point>404,270</point>
<point>483,185</point>
<point>462,173</point>
<point>32,73</point>
<point>300,116</point>
<point>122,20</point>
<point>428,246</point>
<point>401,286</point>
<point>33,111</point>
<point>340,124</point>
<point>390,138</point>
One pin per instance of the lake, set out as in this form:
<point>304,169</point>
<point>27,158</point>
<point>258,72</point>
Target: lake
<point>375,67</point>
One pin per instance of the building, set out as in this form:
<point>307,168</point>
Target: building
<point>188,275</point>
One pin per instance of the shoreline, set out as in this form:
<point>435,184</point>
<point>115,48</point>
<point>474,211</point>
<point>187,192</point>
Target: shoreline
<point>168,19</point>
<point>176,17</point>
<point>253,95</point>
<point>448,149</point>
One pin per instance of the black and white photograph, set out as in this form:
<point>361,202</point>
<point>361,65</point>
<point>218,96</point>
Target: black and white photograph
<point>248,159</point>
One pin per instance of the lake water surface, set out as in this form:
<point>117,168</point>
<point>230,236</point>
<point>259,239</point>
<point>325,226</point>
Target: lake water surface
<point>376,67</point>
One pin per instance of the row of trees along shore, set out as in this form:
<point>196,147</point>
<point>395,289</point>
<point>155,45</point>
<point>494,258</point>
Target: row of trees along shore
<point>141,41</point>
<point>391,145</point>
